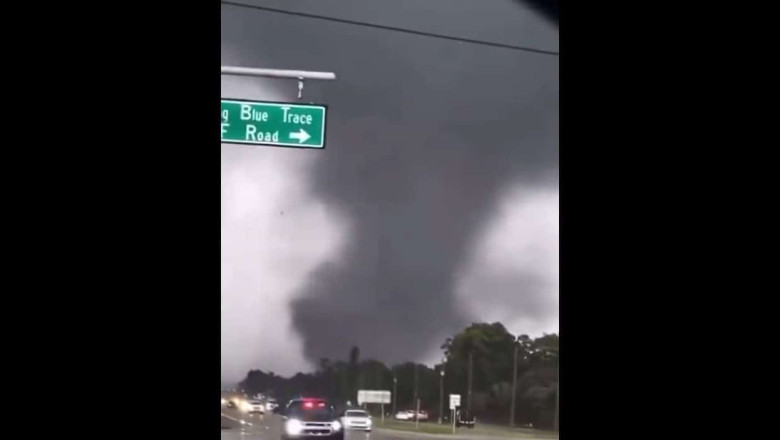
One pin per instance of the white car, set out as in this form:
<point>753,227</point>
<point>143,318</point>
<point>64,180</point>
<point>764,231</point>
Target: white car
<point>405,415</point>
<point>357,419</point>
<point>409,415</point>
<point>254,407</point>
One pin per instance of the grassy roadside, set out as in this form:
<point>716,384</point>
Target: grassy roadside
<point>505,431</point>
<point>479,430</point>
<point>426,427</point>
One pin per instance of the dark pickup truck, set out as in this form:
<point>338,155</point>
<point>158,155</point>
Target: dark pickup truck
<point>465,418</point>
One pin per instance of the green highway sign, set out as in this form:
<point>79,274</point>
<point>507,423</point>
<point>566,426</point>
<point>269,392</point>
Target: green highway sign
<point>273,123</point>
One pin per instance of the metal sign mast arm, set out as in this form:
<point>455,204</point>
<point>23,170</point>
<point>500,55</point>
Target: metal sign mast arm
<point>278,73</point>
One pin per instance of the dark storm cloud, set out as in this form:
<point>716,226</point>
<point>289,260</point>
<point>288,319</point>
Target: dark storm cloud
<point>423,135</point>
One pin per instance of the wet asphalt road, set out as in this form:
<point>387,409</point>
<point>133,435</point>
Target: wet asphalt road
<point>269,427</point>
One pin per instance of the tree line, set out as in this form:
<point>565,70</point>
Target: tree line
<point>487,349</point>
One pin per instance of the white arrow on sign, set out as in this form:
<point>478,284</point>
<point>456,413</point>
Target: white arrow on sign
<point>301,136</point>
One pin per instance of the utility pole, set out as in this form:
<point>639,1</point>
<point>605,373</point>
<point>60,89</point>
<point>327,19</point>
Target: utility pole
<point>416,418</point>
<point>514,388</point>
<point>557,395</point>
<point>415,390</point>
<point>471,377</point>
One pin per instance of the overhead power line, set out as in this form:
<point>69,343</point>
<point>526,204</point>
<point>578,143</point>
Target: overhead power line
<point>394,29</point>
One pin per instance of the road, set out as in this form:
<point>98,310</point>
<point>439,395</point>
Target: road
<point>269,427</point>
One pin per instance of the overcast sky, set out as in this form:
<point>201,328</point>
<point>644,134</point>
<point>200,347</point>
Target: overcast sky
<point>434,205</point>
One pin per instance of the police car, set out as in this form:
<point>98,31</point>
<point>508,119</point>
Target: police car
<point>308,418</point>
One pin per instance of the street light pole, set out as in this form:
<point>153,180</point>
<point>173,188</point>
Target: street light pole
<point>395,394</point>
<point>514,388</point>
<point>441,395</point>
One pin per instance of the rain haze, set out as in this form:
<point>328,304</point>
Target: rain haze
<point>434,204</point>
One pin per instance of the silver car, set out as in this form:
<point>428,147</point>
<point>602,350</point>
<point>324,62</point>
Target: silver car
<point>357,419</point>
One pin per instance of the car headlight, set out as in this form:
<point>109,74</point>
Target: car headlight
<point>369,422</point>
<point>293,427</point>
<point>336,425</point>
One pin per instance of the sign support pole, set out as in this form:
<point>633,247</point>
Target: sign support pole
<point>453,421</point>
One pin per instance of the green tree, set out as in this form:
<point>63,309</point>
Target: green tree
<point>493,349</point>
